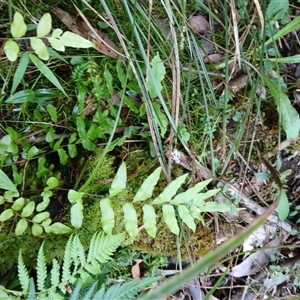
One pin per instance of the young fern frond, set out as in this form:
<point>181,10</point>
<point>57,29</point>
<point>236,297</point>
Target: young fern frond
<point>55,273</point>
<point>106,246</point>
<point>23,274</point>
<point>78,268</point>
<point>41,269</point>
<point>66,268</point>
<point>79,250</point>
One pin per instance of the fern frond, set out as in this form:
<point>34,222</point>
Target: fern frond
<point>31,294</point>
<point>90,292</point>
<point>129,290</point>
<point>106,246</point>
<point>100,293</point>
<point>66,268</point>
<point>55,273</point>
<point>23,273</point>
<point>77,246</point>
<point>41,269</point>
<point>76,292</point>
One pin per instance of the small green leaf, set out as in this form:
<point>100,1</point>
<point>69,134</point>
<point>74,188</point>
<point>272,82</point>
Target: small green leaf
<point>39,218</point>
<point>63,156</point>
<point>198,200</point>
<point>20,71</point>
<point>130,219</point>
<point>263,175</point>
<point>158,71</point>
<point>21,227</point>
<point>42,168</point>
<point>146,190</point>
<point>18,204</point>
<point>58,228</point>
<point>214,207</point>
<point>77,214</point>
<point>37,230</point>
<point>283,208</point>
<point>74,196</point>
<point>46,200</point>
<point>11,50</point>
<point>121,73</point>
<point>47,72</point>
<point>119,183</point>
<point>170,190</point>
<point>170,219</point>
<point>57,33</point>
<point>6,183</point>
<point>28,209</point>
<point>33,151</point>
<point>72,149</point>
<point>52,183</point>
<point>6,215</point>
<point>107,215</point>
<point>56,44</point>
<point>186,197</point>
<point>39,48</point>
<point>186,217</point>
<point>52,112</point>
<point>149,219</point>
<point>18,27</point>
<point>50,136</point>
<point>70,39</point>
<point>45,25</point>
<point>160,118</point>
<point>109,80</point>
<point>288,116</point>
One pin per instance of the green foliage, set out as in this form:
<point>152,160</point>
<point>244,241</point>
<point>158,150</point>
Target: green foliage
<point>288,116</point>
<point>58,40</point>
<point>187,206</point>
<point>78,277</point>
<point>24,211</point>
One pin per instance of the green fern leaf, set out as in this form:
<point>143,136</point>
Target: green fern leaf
<point>23,273</point>
<point>55,273</point>
<point>186,217</point>
<point>31,293</point>
<point>187,196</point>
<point>130,219</point>
<point>170,219</point>
<point>76,292</point>
<point>107,215</point>
<point>107,246</point>
<point>170,190</point>
<point>149,219</point>
<point>41,269</point>
<point>128,290</point>
<point>66,268</point>
<point>146,189</point>
<point>79,250</point>
<point>119,183</point>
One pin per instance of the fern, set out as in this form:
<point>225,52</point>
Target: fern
<point>77,269</point>
<point>186,206</point>
<point>23,273</point>
<point>55,273</point>
<point>41,268</point>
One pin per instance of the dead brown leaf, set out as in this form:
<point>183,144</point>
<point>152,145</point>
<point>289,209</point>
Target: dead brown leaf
<point>136,270</point>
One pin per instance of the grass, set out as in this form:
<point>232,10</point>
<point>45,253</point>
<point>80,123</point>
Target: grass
<point>194,106</point>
